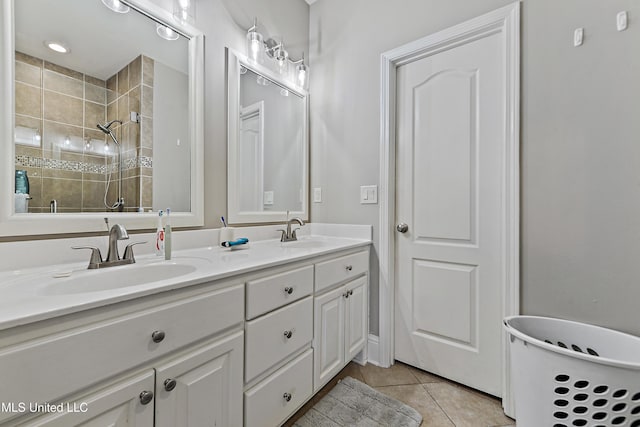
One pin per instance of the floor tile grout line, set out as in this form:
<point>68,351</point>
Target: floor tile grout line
<point>438,404</point>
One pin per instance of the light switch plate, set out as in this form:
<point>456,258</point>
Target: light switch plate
<point>317,195</point>
<point>622,20</point>
<point>578,37</point>
<point>268,198</point>
<point>368,194</point>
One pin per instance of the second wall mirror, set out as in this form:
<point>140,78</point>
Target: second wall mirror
<point>268,145</point>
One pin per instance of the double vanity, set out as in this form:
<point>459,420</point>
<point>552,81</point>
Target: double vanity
<point>212,337</point>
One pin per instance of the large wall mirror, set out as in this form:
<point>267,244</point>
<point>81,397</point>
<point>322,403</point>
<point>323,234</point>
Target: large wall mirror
<point>104,117</point>
<point>268,144</point>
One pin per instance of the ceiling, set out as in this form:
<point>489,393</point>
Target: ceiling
<point>101,41</point>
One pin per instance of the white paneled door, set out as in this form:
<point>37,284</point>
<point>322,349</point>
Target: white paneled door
<point>450,118</point>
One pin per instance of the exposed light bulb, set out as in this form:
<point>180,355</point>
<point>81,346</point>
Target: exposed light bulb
<point>67,141</point>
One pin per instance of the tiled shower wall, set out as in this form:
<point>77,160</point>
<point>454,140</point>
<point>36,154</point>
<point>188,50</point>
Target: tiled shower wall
<point>71,164</point>
<point>130,90</point>
<point>64,106</point>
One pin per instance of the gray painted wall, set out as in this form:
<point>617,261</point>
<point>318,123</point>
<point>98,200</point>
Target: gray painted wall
<point>580,140</point>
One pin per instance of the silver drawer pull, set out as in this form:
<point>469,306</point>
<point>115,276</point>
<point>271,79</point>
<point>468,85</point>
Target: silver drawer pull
<point>287,397</point>
<point>349,267</point>
<point>157,336</point>
<point>288,334</point>
<point>288,290</point>
<point>146,397</point>
<point>170,384</point>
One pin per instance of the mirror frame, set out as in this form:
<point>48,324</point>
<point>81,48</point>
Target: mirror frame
<point>23,224</point>
<point>234,216</point>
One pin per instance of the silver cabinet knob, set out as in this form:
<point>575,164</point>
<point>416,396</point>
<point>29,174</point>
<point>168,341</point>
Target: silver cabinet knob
<point>288,290</point>
<point>349,267</point>
<point>170,384</point>
<point>146,397</point>
<point>157,336</point>
<point>402,227</point>
<point>287,397</point>
<point>288,334</point>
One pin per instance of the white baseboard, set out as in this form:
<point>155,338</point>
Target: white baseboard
<point>373,350</point>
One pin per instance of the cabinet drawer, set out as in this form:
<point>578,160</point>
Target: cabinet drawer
<point>271,338</point>
<point>87,355</point>
<point>269,293</point>
<point>340,269</point>
<point>266,404</point>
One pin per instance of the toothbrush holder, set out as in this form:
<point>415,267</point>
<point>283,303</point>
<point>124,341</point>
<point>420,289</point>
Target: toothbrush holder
<point>226,234</point>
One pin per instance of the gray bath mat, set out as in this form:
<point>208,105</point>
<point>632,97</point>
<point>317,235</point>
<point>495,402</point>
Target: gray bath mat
<point>352,403</point>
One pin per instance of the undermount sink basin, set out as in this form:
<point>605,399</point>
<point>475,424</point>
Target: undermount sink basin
<point>115,278</point>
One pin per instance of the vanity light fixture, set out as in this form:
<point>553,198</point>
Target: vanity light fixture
<point>282,58</point>
<point>255,43</point>
<point>302,73</point>
<point>166,32</point>
<point>257,48</point>
<point>184,11</point>
<point>116,6</point>
<point>57,46</point>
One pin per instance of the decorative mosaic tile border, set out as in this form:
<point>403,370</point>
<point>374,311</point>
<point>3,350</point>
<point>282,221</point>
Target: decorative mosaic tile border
<point>75,166</point>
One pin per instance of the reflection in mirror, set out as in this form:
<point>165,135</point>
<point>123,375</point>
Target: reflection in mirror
<point>103,127</point>
<point>267,146</point>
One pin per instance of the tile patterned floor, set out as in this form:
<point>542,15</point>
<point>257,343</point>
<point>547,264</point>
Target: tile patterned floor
<point>441,402</point>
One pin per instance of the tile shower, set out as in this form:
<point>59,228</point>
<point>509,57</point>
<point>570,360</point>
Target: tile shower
<point>57,143</point>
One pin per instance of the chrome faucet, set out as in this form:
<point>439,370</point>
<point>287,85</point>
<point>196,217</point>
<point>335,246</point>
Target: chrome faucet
<point>117,232</point>
<point>288,235</point>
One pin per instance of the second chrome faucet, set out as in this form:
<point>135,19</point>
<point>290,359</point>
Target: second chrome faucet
<point>288,235</point>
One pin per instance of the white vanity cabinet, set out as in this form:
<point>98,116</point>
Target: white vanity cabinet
<point>340,314</point>
<point>78,359</point>
<point>245,349</point>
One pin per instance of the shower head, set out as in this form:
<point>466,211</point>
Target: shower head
<point>106,128</point>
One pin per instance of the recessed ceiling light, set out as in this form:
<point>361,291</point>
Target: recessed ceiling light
<point>116,6</point>
<point>57,47</point>
<point>166,32</point>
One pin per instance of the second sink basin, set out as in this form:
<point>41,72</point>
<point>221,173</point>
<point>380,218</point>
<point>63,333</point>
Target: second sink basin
<point>115,277</point>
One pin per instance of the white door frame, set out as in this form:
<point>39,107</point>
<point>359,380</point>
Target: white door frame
<point>506,21</point>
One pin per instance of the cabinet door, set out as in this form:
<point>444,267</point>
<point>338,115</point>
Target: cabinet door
<point>328,336</point>
<point>356,316</point>
<point>202,388</point>
<point>119,405</point>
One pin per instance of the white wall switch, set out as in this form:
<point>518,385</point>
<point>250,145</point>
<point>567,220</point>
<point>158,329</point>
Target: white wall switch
<point>317,195</point>
<point>268,198</point>
<point>622,20</point>
<point>578,37</point>
<point>368,194</point>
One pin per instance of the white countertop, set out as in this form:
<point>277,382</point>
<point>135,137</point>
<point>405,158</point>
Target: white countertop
<point>23,301</point>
